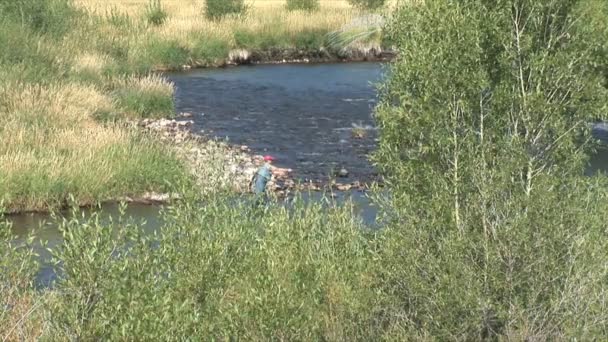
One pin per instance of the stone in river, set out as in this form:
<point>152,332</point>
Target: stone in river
<point>343,173</point>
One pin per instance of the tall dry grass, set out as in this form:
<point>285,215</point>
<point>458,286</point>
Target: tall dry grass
<point>53,146</point>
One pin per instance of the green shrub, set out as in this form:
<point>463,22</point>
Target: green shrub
<point>17,295</point>
<point>495,232</point>
<point>367,4</point>
<point>227,270</point>
<point>155,14</point>
<point>303,5</point>
<point>217,9</point>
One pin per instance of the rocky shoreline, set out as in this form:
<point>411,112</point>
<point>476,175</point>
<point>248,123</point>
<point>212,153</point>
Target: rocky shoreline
<point>239,162</point>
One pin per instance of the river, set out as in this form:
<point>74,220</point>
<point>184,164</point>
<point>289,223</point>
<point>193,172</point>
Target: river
<point>305,115</point>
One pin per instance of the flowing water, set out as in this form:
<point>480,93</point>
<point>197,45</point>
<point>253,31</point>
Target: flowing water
<point>314,118</point>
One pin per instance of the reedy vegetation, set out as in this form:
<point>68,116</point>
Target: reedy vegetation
<point>491,232</point>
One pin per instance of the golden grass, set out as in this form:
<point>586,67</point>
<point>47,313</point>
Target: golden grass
<point>187,16</point>
<point>50,132</point>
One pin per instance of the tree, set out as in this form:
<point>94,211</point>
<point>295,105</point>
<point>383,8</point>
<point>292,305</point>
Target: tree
<point>494,230</point>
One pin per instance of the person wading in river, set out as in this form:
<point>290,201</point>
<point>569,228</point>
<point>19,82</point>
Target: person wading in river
<point>263,176</point>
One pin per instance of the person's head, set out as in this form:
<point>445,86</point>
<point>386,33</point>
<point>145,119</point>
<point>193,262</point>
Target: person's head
<point>269,159</point>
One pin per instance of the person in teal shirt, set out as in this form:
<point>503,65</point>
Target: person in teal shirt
<point>260,180</point>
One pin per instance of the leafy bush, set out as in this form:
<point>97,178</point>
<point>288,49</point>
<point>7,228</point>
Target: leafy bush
<point>367,4</point>
<point>217,9</point>
<point>227,270</point>
<point>17,296</point>
<point>305,5</point>
<point>495,231</point>
<point>155,14</point>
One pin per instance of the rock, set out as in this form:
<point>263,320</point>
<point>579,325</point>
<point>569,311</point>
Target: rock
<point>184,123</point>
<point>185,115</point>
<point>239,56</point>
<point>343,173</point>
<point>343,187</point>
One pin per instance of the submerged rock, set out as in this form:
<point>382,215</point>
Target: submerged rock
<point>343,173</point>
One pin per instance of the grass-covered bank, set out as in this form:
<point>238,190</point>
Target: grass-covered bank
<point>71,73</point>
<point>60,116</point>
<point>265,32</point>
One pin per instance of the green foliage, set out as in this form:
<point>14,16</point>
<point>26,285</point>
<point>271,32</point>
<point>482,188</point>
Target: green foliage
<point>368,4</point>
<point>163,53</point>
<point>28,59</point>
<point>155,14</point>
<point>494,231</point>
<point>226,270</point>
<point>303,5</point>
<point>45,16</point>
<point>144,103</point>
<point>208,50</point>
<point>134,167</point>
<point>217,9</point>
<point>277,39</point>
<point>310,40</point>
<point>17,270</point>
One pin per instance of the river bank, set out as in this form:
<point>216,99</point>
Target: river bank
<point>77,72</point>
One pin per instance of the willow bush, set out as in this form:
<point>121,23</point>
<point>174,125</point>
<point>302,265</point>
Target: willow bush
<point>227,270</point>
<point>494,230</point>
<point>20,306</point>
